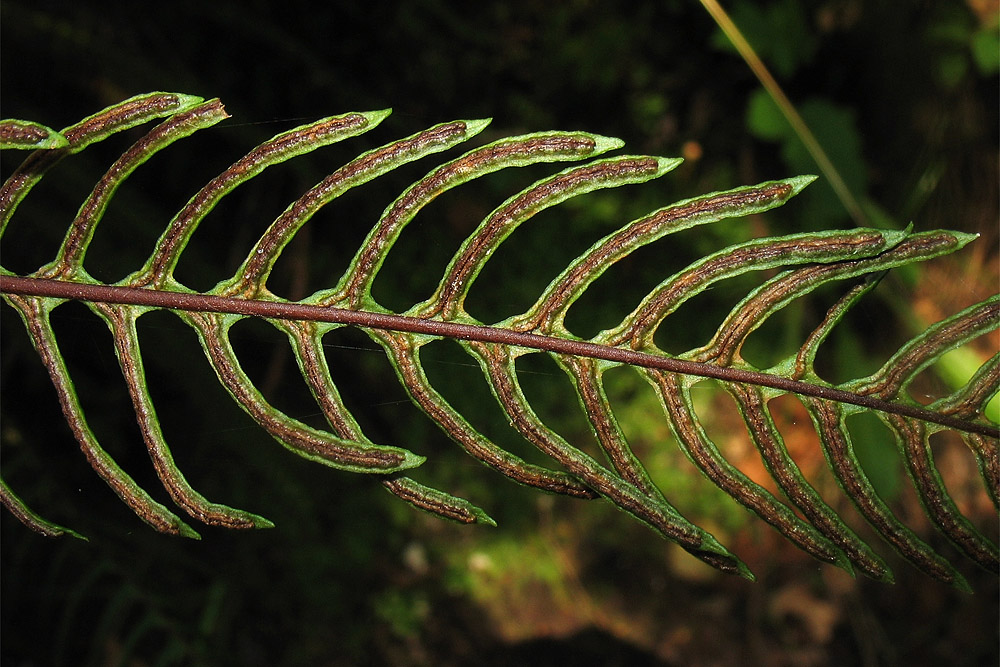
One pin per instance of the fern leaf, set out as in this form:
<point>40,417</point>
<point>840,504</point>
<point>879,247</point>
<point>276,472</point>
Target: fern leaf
<point>25,134</point>
<point>799,264</point>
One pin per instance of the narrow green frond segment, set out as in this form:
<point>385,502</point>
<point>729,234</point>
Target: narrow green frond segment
<point>961,364</point>
<point>307,342</point>
<point>355,286</point>
<point>125,115</point>
<point>768,441</point>
<point>480,246</point>
<point>122,322</point>
<point>24,134</point>
<point>307,442</point>
<point>404,354</point>
<point>775,294</point>
<point>913,440</point>
<point>838,449</point>
<point>985,451</point>
<point>306,339</point>
<point>258,264</point>
<point>929,346</point>
<point>675,397</point>
<point>69,261</point>
<point>29,518</point>
<point>498,364</point>
<point>35,314</point>
<point>158,270</point>
<point>589,384</point>
<point>825,248</point>
<point>550,310</point>
<point>436,502</point>
<point>116,118</point>
<point>802,368</point>
<point>978,394</point>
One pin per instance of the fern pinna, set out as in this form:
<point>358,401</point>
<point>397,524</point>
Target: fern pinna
<point>798,265</point>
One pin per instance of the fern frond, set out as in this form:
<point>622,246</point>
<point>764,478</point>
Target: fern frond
<point>797,265</point>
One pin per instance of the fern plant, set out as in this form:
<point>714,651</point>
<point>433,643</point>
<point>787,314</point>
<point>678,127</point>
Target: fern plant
<point>797,265</point>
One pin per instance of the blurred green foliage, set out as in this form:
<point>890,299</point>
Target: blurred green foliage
<point>902,95</point>
<point>835,129</point>
<point>782,33</point>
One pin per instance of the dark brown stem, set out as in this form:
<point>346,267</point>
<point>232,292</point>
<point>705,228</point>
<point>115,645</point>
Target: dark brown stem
<point>295,311</point>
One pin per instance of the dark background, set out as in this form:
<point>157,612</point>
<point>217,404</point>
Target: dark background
<point>903,97</point>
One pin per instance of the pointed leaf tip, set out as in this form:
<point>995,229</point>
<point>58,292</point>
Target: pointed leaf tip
<point>799,183</point>
<point>185,530</point>
<point>961,584</point>
<point>733,564</point>
<point>604,144</point>
<point>54,140</point>
<point>259,522</point>
<point>964,238</point>
<point>474,127</point>
<point>375,117</point>
<point>410,460</point>
<point>668,164</point>
<point>485,519</point>
<point>185,102</point>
